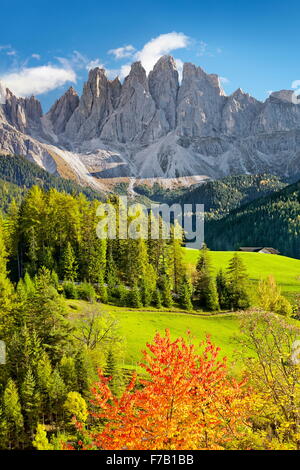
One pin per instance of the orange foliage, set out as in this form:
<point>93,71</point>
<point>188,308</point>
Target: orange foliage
<point>187,403</point>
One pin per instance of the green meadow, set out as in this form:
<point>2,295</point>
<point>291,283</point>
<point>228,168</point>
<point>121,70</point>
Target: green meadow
<point>138,326</point>
<point>285,270</point>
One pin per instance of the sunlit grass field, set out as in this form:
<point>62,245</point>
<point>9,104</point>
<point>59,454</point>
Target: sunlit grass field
<point>285,270</point>
<point>138,327</point>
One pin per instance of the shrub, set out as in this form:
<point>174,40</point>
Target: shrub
<point>69,290</point>
<point>86,292</point>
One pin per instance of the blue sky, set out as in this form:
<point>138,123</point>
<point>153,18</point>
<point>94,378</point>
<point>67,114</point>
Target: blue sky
<point>46,46</point>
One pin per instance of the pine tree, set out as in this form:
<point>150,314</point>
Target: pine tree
<point>166,292</point>
<point>185,294</point>
<point>57,393</point>
<point>13,414</point>
<point>102,289</point>
<point>176,255</point>
<point>222,289</point>
<point>69,264</point>
<point>111,370</point>
<point>46,314</point>
<point>146,293</point>
<point>111,270</point>
<point>67,371</point>
<point>212,300</point>
<point>238,284</point>
<point>157,299</point>
<point>81,366</point>
<point>4,430</point>
<point>44,375</point>
<point>30,402</point>
<point>6,288</point>
<point>205,283</point>
<point>134,297</point>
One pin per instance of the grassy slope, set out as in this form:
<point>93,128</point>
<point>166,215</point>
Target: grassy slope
<point>285,270</point>
<point>139,327</point>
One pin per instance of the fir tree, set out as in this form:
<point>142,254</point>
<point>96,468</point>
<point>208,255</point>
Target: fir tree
<point>67,371</point>
<point>238,284</point>
<point>111,370</point>
<point>81,366</point>
<point>222,289</point>
<point>204,283</point>
<point>134,297</point>
<point>166,292</point>
<point>13,414</point>
<point>30,402</point>
<point>185,294</point>
<point>69,264</point>
<point>157,299</point>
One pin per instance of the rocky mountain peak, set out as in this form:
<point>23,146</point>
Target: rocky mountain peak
<point>22,113</point>
<point>285,96</point>
<point>199,104</point>
<point>153,126</point>
<point>137,76</point>
<point>116,88</point>
<point>163,86</point>
<point>62,110</point>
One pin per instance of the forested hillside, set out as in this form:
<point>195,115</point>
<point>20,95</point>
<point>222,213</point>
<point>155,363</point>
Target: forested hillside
<point>220,196</point>
<point>25,174</point>
<point>271,221</point>
<point>10,192</point>
<point>53,270</point>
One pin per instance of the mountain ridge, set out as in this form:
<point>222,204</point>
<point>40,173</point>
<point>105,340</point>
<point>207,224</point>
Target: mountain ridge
<point>155,128</point>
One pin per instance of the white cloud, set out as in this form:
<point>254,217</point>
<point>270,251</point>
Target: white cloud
<point>92,64</point>
<point>157,47</point>
<point>202,49</point>
<point>36,56</point>
<point>4,47</point>
<point>37,80</point>
<point>224,80</point>
<point>150,53</point>
<point>122,52</point>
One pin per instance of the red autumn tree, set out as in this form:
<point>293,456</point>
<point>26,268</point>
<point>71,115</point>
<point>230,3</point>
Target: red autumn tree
<point>186,403</point>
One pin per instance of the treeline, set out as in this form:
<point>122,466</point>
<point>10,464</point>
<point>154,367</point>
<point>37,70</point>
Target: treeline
<point>219,197</point>
<point>10,192</point>
<point>270,221</point>
<point>21,172</point>
<point>57,231</point>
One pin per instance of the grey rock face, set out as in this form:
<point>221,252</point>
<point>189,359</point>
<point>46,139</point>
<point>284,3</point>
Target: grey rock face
<point>163,86</point>
<point>279,113</point>
<point>62,110</point>
<point>152,127</point>
<point>22,113</point>
<point>94,107</point>
<point>200,102</point>
<point>136,117</point>
<point>239,112</point>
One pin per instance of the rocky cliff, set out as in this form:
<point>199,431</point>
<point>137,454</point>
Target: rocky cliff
<point>153,127</point>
